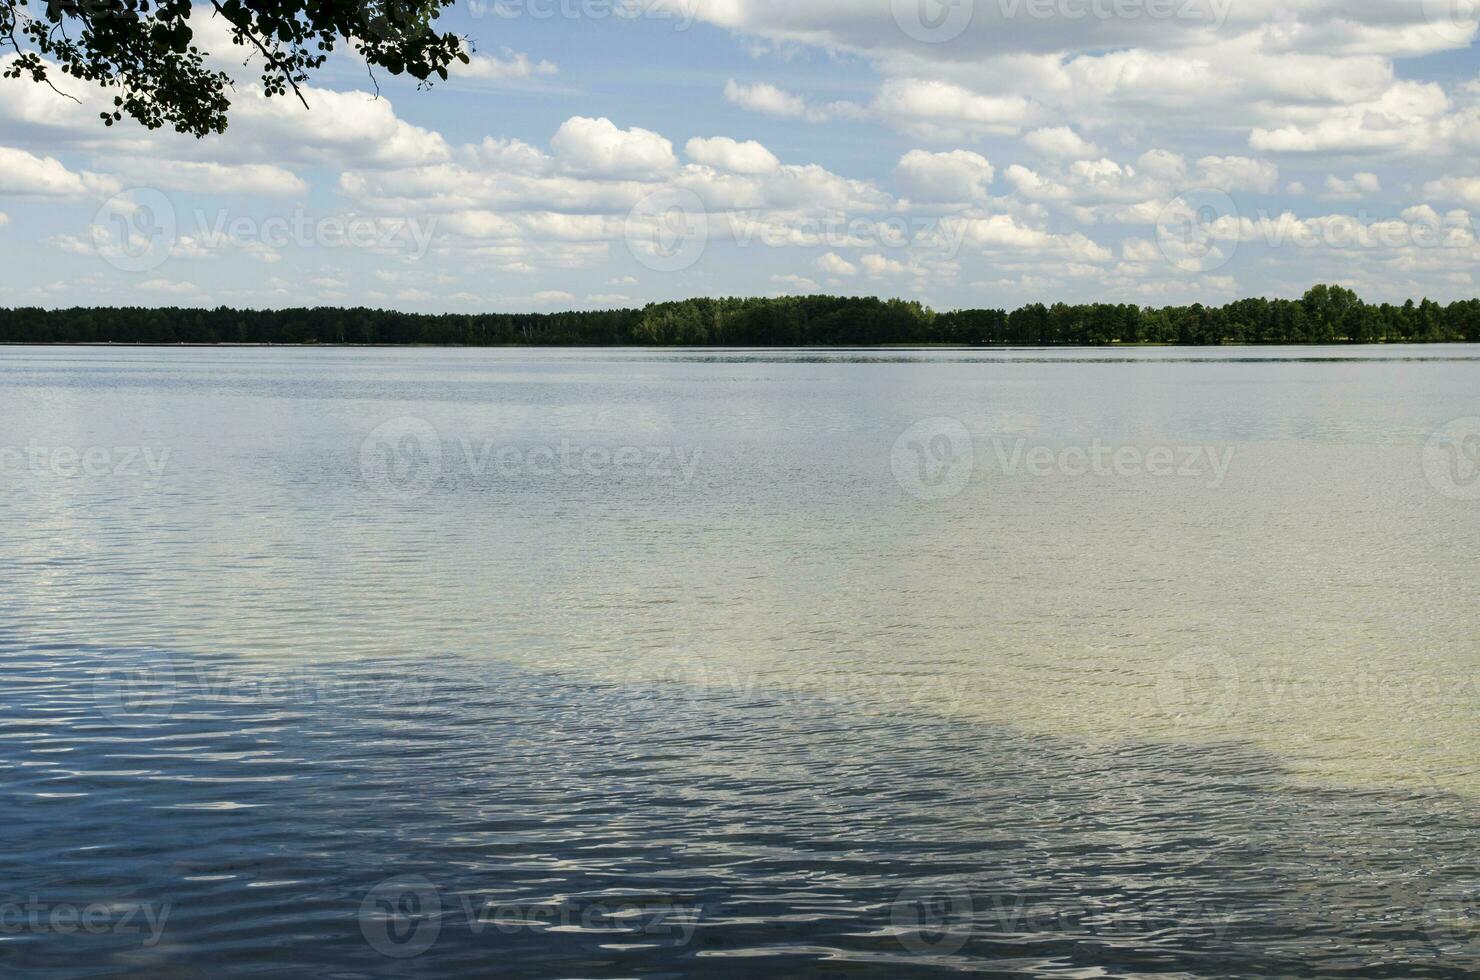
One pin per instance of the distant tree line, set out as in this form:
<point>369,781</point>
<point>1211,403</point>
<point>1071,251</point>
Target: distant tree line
<point>1324,315</point>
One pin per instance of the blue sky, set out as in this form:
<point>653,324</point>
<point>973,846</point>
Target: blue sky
<point>959,152</point>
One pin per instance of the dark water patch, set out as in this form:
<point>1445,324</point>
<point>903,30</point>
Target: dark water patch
<point>458,817</point>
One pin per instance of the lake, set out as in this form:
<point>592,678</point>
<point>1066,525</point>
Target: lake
<point>614,663</point>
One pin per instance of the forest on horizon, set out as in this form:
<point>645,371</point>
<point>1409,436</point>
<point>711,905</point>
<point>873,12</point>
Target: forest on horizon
<point>1324,315</point>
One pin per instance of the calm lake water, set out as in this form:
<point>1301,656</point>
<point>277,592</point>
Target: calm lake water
<point>757,664</point>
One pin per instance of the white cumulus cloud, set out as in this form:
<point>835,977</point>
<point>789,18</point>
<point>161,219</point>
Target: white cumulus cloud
<point>724,153</point>
<point>597,147</point>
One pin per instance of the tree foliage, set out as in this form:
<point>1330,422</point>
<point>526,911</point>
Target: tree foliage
<point>145,51</point>
<point>1326,314</point>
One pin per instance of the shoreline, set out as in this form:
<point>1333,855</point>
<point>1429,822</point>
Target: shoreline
<point>1333,345</point>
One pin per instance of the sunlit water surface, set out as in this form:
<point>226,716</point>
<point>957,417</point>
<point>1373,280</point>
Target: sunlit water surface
<point>634,663</point>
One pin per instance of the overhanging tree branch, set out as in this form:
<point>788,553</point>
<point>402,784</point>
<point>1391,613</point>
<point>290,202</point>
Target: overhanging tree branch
<point>271,58</point>
<point>146,54</point>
